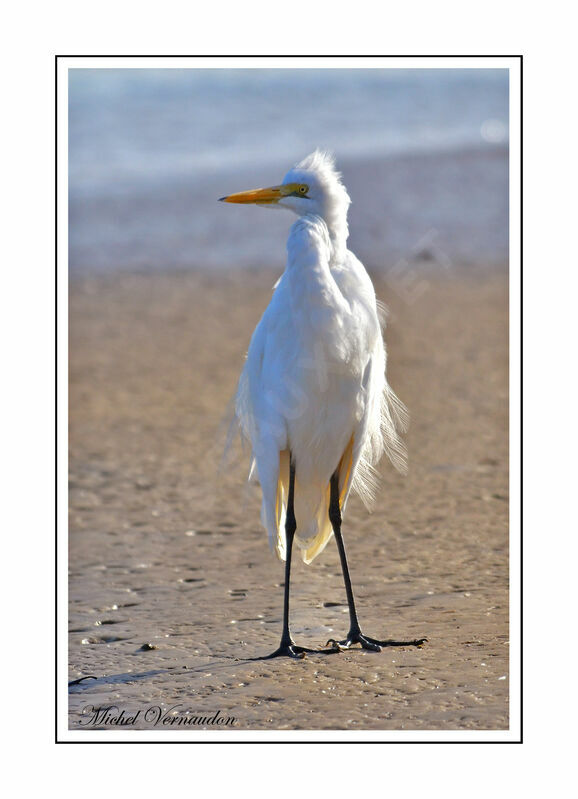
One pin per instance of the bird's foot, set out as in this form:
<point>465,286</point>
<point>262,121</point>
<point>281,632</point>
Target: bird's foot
<point>357,637</point>
<point>290,649</point>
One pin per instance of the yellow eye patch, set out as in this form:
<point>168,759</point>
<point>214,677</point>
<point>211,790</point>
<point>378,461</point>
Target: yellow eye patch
<point>295,190</point>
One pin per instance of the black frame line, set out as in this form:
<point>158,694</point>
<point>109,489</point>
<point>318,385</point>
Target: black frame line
<point>518,56</point>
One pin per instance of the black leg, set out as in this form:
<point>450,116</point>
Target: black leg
<point>288,646</point>
<point>354,636</point>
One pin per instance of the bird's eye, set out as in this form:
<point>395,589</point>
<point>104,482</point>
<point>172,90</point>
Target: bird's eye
<point>303,189</point>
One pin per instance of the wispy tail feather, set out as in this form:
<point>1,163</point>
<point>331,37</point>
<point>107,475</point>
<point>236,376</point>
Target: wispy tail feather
<point>314,528</point>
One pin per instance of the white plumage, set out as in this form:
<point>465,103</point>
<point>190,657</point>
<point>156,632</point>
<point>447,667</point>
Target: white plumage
<point>314,387</point>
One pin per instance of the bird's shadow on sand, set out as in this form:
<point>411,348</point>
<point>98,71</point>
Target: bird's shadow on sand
<point>92,680</point>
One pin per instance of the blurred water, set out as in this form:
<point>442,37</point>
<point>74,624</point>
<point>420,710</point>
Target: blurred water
<point>423,152</point>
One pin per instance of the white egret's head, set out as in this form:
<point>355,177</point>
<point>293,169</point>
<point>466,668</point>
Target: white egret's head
<point>313,186</point>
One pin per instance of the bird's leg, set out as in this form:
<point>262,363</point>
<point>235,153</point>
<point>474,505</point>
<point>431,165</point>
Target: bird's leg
<point>354,636</point>
<point>288,646</point>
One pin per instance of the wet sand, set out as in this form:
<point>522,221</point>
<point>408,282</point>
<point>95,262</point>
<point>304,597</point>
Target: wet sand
<point>167,554</point>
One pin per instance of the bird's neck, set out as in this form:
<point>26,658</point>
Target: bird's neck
<point>311,233</point>
<point>336,223</point>
<point>338,234</point>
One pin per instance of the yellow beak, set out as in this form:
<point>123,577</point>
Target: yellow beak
<point>261,196</point>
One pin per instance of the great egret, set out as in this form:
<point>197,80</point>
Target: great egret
<point>313,399</point>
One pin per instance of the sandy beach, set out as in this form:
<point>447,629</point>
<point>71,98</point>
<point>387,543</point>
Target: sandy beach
<point>172,584</point>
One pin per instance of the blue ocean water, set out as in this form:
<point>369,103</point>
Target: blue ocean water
<point>423,152</point>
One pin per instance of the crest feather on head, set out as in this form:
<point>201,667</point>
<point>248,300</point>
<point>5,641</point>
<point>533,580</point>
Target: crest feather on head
<point>321,162</point>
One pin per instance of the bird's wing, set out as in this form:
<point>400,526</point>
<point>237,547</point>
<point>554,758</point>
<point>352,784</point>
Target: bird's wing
<point>260,413</point>
<point>385,417</point>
